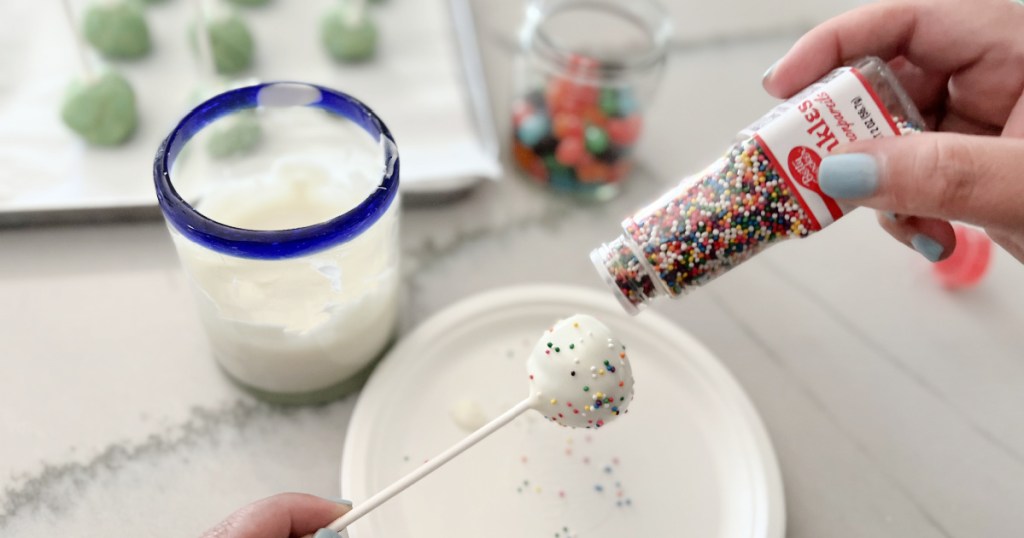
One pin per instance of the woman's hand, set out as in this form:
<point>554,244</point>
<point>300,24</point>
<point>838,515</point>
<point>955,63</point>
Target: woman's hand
<point>963,64</point>
<point>282,516</point>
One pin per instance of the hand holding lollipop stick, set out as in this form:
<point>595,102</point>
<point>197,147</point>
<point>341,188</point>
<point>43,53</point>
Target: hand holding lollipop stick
<point>579,377</point>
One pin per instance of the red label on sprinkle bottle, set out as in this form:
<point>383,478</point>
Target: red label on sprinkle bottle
<point>837,110</point>
<point>763,190</point>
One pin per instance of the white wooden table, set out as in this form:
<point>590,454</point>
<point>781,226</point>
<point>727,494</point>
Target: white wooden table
<point>896,408</point>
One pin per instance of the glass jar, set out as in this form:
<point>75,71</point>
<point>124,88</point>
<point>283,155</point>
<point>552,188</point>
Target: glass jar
<point>763,190</point>
<point>281,200</point>
<point>585,70</point>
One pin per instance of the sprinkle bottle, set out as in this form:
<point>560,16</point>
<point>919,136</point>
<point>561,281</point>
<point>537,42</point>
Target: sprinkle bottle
<point>762,191</point>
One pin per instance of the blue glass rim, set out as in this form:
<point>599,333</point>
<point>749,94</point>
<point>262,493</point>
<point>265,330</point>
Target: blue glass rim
<point>274,244</point>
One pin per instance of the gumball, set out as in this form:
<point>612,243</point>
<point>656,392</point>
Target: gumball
<point>969,262</point>
<point>625,131</point>
<point>566,125</point>
<point>596,138</point>
<point>570,151</point>
<point>592,172</point>
<point>533,129</point>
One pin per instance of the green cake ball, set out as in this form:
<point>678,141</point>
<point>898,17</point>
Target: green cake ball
<point>102,111</point>
<point>236,134</point>
<point>231,44</point>
<point>348,41</point>
<point>249,3</point>
<point>117,30</point>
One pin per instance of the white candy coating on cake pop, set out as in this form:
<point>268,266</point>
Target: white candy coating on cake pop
<point>580,374</point>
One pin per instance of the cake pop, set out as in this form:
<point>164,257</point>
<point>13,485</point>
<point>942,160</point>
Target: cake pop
<point>236,133</point>
<point>102,111</point>
<point>231,42</point>
<point>99,108</point>
<point>348,32</point>
<point>556,386</point>
<point>580,374</point>
<point>117,30</point>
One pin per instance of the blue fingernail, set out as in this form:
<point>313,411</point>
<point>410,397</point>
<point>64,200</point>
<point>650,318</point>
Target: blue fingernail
<point>851,175</point>
<point>339,500</point>
<point>928,247</point>
<point>326,533</point>
<point>768,72</point>
<point>890,215</point>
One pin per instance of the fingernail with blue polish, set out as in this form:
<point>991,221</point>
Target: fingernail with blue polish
<point>326,533</point>
<point>768,72</point>
<point>890,215</point>
<point>339,500</point>
<point>928,247</point>
<point>848,176</point>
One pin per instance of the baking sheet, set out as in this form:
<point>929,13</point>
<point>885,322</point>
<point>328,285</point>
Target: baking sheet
<point>425,83</point>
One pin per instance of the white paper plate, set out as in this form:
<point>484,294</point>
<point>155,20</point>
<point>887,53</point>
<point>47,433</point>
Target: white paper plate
<point>426,83</point>
<point>690,459</point>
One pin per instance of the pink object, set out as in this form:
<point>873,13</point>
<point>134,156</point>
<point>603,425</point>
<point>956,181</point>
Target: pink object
<point>969,261</point>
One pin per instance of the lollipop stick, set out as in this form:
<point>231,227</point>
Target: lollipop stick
<point>84,65</point>
<point>354,11</point>
<point>429,466</point>
<point>207,67</point>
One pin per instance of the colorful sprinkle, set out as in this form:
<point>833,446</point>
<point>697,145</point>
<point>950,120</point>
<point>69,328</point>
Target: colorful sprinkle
<point>592,408</point>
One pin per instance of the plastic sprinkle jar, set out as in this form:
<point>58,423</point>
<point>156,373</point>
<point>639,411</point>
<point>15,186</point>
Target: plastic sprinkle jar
<point>585,70</point>
<point>762,191</point>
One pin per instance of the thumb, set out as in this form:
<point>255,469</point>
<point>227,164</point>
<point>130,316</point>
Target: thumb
<point>947,176</point>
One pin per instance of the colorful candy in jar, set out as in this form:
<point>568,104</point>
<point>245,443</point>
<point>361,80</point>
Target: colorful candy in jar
<point>573,134</point>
